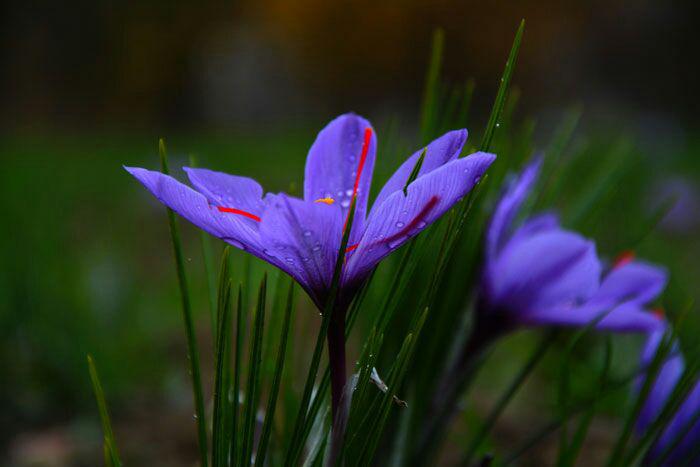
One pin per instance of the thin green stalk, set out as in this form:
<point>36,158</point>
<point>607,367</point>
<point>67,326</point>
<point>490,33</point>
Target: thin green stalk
<point>500,100</point>
<point>253,385</point>
<point>277,378</point>
<point>432,82</point>
<point>220,432</point>
<point>192,347</point>
<point>537,354</point>
<point>110,447</point>
<point>207,256</point>
<point>235,441</point>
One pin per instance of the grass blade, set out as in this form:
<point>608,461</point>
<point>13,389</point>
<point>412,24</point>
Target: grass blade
<point>502,93</point>
<point>110,447</point>
<point>253,377</point>
<point>207,256</point>
<point>277,378</point>
<point>537,354</point>
<point>192,348</point>
<point>221,417</point>
<point>235,440</point>
<point>432,82</point>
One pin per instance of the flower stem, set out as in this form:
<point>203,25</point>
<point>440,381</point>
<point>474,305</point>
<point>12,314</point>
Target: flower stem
<point>336,357</point>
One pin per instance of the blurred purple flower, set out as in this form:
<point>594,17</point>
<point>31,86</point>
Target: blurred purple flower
<point>302,236</point>
<point>680,423</point>
<point>540,274</point>
<point>684,216</point>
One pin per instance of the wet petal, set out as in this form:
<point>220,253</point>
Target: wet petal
<point>624,318</point>
<point>222,189</point>
<point>438,152</point>
<point>332,164</point>
<point>304,238</point>
<point>401,217</point>
<point>538,271</point>
<point>635,282</point>
<point>507,208</point>
<point>237,230</point>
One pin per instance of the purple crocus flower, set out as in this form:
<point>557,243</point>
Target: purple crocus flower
<point>303,236</point>
<point>684,422</point>
<point>541,274</point>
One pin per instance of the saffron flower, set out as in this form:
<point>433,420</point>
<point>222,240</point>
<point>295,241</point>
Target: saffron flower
<point>303,236</point>
<point>541,274</point>
<point>682,432</point>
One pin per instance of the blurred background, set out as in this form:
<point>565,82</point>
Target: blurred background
<point>85,256</point>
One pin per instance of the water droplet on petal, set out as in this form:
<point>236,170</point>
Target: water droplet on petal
<point>316,247</point>
<point>400,224</point>
<point>289,259</point>
<point>421,225</point>
<point>345,203</point>
<point>348,192</point>
<point>339,193</point>
<point>305,259</point>
<point>394,243</point>
<point>476,179</point>
<point>307,233</point>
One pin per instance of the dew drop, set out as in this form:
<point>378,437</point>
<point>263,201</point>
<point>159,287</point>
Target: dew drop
<point>305,259</point>
<point>348,192</point>
<point>421,225</point>
<point>476,179</point>
<point>345,203</point>
<point>307,233</point>
<point>339,193</point>
<point>400,224</point>
<point>289,259</point>
<point>394,243</point>
<point>268,252</point>
<point>316,247</point>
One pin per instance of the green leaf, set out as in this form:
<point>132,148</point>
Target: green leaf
<point>192,347</point>
<point>236,442</point>
<point>502,93</point>
<point>414,172</point>
<point>221,436</point>
<point>110,448</point>
<point>432,82</point>
<point>537,354</point>
<point>277,378</point>
<point>207,256</point>
<point>251,397</point>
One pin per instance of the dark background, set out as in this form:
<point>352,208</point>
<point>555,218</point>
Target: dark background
<point>85,263</point>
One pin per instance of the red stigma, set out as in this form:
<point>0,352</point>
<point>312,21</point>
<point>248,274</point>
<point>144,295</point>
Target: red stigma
<point>623,259</point>
<point>416,220</point>
<point>352,248</point>
<point>239,212</point>
<point>363,158</point>
<point>360,167</point>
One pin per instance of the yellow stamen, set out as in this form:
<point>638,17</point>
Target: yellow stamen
<point>325,200</point>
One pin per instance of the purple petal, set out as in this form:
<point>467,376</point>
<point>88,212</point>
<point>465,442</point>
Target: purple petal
<point>237,230</point>
<point>332,164</point>
<point>304,238</point>
<point>624,318</point>
<point>402,217</point>
<point>635,282</point>
<point>548,268</point>
<point>508,206</point>
<point>440,151</point>
<point>226,190</point>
